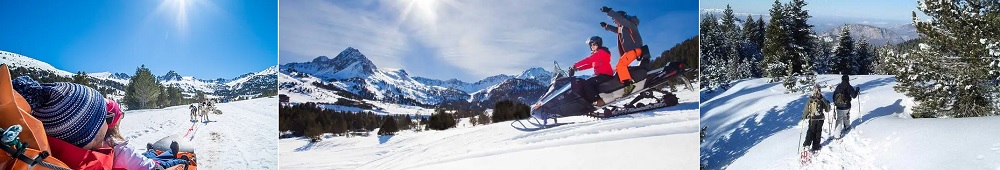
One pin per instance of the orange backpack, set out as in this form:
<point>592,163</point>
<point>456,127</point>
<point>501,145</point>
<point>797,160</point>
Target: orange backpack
<point>14,110</point>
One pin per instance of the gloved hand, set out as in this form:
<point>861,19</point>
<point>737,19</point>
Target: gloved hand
<point>604,24</point>
<point>572,71</point>
<point>605,9</point>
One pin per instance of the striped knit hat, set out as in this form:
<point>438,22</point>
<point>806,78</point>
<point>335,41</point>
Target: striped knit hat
<point>69,111</point>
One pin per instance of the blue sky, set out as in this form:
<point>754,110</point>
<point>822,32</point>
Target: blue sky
<point>470,40</point>
<point>205,39</point>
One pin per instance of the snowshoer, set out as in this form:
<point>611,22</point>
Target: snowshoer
<point>814,111</point>
<point>842,97</point>
<point>629,43</point>
<point>600,61</point>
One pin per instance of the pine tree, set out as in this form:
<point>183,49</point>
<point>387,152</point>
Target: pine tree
<point>758,37</point>
<point>389,127</point>
<point>954,72</point>
<point>81,78</point>
<point>162,100</point>
<point>750,49</point>
<point>824,63</point>
<point>731,40</point>
<point>883,62</point>
<point>712,66</point>
<point>176,97</point>
<point>865,57</point>
<point>142,89</point>
<point>801,34</point>
<point>775,44</point>
<point>845,61</point>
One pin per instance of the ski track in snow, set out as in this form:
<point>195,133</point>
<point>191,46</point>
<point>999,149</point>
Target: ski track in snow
<point>242,137</point>
<point>659,139</point>
<point>754,124</point>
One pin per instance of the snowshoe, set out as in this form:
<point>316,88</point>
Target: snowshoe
<point>182,149</point>
<point>804,157</point>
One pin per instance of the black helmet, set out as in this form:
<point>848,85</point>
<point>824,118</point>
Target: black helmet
<point>595,40</point>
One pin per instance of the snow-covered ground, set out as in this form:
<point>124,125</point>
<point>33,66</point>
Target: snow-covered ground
<point>665,138</point>
<point>243,137</point>
<point>755,125</point>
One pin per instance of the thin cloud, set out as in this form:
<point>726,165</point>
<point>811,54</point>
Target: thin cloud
<point>319,28</point>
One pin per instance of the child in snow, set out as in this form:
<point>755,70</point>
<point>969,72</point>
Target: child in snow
<point>814,112</point>
<point>125,157</point>
<point>82,126</point>
<point>600,61</point>
<point>629,43</point>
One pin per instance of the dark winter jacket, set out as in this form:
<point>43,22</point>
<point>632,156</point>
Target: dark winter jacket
<point>844,88</point>
<point>816,107</point>
<point>628,37</point>
<point>600,61</point>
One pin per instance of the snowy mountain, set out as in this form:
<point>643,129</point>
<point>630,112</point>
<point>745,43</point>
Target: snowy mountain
<point>169,76</point>
<point>254,83</point>
<point>15,60</point>
<point>250,84</point>
<point>352,72</point>
<point>755,125</point>
<point>351,79</point>
<point>523,90</point>
<point>350,63</point>
<point>874,35</point>
<point>463,86</point>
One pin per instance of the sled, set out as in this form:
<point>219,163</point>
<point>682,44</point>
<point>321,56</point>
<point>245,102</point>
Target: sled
<point>29,148</point>
<point>185,149</point>
<point>564,99</point>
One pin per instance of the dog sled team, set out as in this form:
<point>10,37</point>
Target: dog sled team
<point>200,111</point>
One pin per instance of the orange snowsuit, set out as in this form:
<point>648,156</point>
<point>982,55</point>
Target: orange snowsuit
<point>629,43</point>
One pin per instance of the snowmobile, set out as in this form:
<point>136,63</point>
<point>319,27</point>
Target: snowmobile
<point>565,95</point>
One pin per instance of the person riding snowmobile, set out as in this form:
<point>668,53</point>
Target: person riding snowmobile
<point>842,97</point>
<point>814,112</point>
<point>600,61</point>
<point>629,43</point>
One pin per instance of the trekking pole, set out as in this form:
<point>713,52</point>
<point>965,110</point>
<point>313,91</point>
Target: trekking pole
<point>798,148</point>
<point>857,90</point>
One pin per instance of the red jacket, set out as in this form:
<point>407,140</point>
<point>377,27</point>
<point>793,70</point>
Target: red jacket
<point>79,158</point>
<point>600,60</point>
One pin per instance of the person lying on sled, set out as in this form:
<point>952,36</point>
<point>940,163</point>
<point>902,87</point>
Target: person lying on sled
<point>82,127</point>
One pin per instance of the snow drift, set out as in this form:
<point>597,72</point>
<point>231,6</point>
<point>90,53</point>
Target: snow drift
<point>755,125</point>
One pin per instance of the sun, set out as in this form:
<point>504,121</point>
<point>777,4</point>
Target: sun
<point>423,10</point>
<point>178,10</point>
